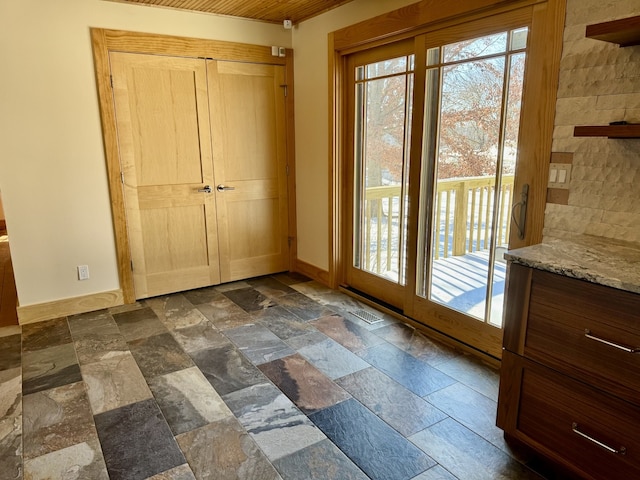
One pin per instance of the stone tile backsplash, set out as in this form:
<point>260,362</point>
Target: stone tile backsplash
<point>599,83</point>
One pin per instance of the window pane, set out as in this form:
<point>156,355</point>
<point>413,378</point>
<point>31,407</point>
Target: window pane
<point>383,117</point>
<point>476,47</point>
<point>358,160</point>
<point>514,105</point>
<point>432,94</point>
<point>433,56</point>
<point>470,118</point>
<point>404,213</point>
<point>387,67</point>
<point>519,38</point>
<point>466,179</point>
<point>506,198</point>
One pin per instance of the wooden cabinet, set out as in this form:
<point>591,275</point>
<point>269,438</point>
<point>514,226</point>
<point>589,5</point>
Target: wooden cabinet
<point>570,378</point>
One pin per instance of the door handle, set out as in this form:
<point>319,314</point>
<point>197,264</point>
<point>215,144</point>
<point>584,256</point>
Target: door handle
<point>521,222</point>
<point>205,189</point>
<point>222,188</point>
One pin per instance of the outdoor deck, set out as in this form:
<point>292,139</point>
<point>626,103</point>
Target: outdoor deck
<point>460,253</point>
<point>460,283</point>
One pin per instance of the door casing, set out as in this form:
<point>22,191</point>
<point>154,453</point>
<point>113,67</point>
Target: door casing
<point>105,41</point>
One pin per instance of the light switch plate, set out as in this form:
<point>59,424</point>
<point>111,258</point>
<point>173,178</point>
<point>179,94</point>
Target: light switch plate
<point>559,175</point>
<point>83,272</point>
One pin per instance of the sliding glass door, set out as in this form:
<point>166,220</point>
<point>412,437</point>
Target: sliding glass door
<point>381,83</point>
<point>431,197</point>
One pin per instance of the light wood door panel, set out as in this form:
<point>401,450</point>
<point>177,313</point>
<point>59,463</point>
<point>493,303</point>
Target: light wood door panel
<point>164,139</point>
<point>249,152</point>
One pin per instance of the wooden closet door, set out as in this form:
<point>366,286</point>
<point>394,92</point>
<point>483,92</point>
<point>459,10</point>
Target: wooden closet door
<point>164,139</point>
<point>247,108</point>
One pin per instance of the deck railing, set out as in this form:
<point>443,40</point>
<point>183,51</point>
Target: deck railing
<point>464,208</point>
<point>463,211</point>
<point>382,208</point>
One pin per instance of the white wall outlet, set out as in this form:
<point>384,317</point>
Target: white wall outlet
<point>559,175</point>
<point>83,272</point>
<point>287,24</point>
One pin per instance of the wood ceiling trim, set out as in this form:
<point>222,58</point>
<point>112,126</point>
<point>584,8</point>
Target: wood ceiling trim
<point>273,11</point>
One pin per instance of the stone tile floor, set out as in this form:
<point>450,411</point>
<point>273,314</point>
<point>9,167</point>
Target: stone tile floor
<point>270,378</point>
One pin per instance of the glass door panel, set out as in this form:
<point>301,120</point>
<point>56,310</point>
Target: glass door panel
<point>382,109</point>
<point>506,199</point>
<point>472,110</point>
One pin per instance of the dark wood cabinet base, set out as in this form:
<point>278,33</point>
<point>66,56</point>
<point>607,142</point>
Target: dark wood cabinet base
<point>572,399</point>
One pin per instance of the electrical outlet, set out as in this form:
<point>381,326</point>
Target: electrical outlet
<point>83,272</point>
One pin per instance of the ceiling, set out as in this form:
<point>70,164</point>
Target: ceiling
<point>275,11</point>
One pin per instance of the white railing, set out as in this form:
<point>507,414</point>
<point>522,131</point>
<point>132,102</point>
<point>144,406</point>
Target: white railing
<point>463,211</point>
<point>464,208</point>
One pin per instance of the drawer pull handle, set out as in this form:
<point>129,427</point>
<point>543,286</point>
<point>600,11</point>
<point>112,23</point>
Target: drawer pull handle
<point>588,334</point>
<point>620,451</point>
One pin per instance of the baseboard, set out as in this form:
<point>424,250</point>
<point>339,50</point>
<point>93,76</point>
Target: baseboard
<point>311,271</point>
<point>69,306</point>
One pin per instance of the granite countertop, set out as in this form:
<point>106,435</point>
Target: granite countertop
<point>594,259</point>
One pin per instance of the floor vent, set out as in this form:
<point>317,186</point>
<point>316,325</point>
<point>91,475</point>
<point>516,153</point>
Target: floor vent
<point>367,316</point>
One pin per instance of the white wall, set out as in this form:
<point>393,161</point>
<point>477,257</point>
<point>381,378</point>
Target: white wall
<point>599,83</point>
<point>52,167</point>
<point>310,44</point>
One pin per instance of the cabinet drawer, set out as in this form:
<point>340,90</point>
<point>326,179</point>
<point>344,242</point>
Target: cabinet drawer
<point>587,331</point>
<point>579,425</point>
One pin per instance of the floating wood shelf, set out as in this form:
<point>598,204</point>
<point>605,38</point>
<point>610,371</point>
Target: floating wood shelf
<point>611,131</point>
<point>625,32</point>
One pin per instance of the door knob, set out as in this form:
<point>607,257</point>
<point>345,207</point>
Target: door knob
<point>205,189</point>
<point>222,188</point>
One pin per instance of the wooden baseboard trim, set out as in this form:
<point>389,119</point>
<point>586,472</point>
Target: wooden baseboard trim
<point>311,271</point>
<point>69,306</point>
